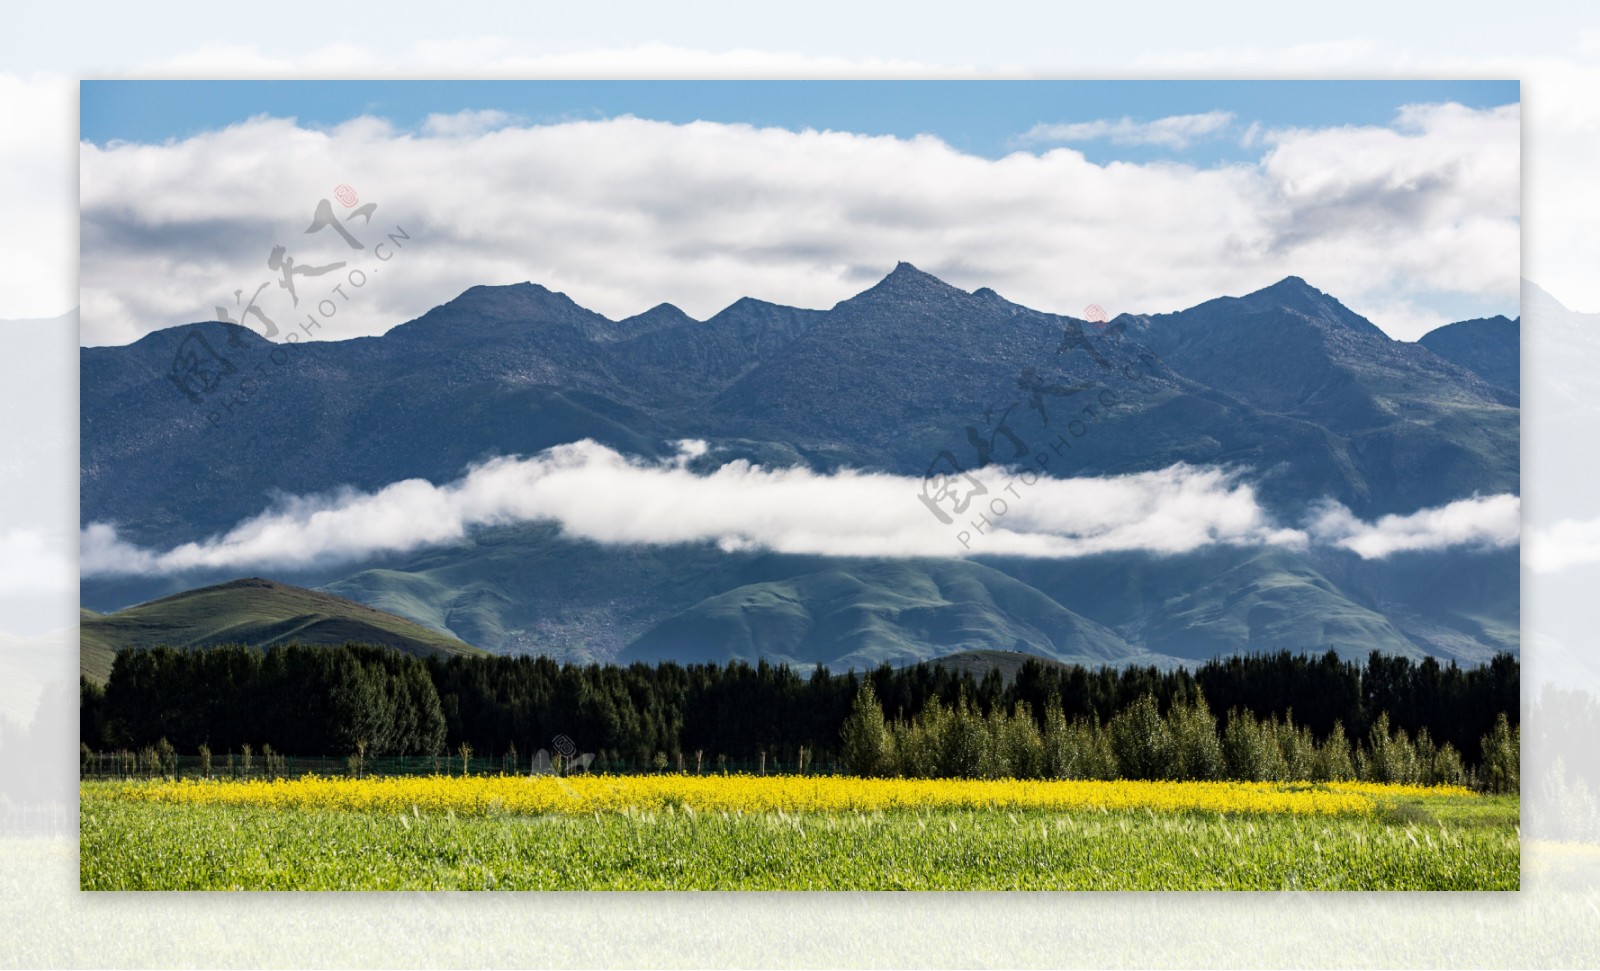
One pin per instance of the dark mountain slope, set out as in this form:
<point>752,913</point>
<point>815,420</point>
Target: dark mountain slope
<point>1415,429</point>
<point>1490,347</point>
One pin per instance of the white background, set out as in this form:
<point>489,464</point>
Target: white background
<point>1553,49</point>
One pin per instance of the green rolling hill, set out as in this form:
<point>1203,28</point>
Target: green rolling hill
<point>257,612</point>
<point>865,613</point>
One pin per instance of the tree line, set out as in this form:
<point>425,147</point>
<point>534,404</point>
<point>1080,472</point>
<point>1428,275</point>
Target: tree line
<point>328,701</point>
<point>1140,742</point>
<point>296,699</point>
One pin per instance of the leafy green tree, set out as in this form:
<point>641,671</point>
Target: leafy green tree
<point>1333,760</point>
<point>865,739</point>
<point>1296,749</point>
<point>1250,748</point>
<point>1056,753</point>
<point>1089,752</point>
<point>1021,744</point>
<point>91,713</point>
<point>919,744</point>
<point>967,750</point>
<point>166,758</point>
<point>1142,742</point>
<point>1444,767</point>
<point>1197,749</point>
<point>1390,757</point>
<point>1502,757</point>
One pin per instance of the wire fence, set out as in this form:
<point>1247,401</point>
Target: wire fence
<point>130,765</point>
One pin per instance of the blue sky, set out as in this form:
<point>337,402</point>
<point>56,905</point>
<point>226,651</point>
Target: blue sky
<point>980,118</point>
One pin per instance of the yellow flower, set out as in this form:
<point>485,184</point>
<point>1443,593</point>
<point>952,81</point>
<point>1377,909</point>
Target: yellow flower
<point>519,795</point>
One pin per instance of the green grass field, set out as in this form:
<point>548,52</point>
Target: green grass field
<point>1437,843</point>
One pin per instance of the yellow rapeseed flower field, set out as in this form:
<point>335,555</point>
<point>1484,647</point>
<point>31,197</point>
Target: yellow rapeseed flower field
<point>538,795</point>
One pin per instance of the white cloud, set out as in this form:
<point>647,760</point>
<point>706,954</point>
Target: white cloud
<point>1559,75</point>
<point>1442,178</point>
<point>625,213</point>
<point>1568,543</point>
<point>36,561</point>
<point>1482,521</point>
<point>1175,131</point>
<point>597,494</point>
<point>465,124</point>
<point>1403,319</point>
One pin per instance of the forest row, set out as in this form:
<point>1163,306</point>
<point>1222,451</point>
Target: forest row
<point>333,701</point>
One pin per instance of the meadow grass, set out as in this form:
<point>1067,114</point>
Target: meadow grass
<point>1407,839</point>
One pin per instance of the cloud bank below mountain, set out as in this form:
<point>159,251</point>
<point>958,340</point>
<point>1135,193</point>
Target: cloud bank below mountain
<point>597,494</point>
<point>1487,522</point>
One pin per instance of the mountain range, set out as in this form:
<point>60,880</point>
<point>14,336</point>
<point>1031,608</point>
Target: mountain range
<point>1313,400</point>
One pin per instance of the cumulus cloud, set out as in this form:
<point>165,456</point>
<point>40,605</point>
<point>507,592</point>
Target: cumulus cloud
<point>624,213</point>
<point>1383,183</point>
<point>597,494</point>
<point>1568,543</point>
<point>1174,131</point>
<point>36,561</point>
<point>1483,521</point>
<point>465,123</point>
